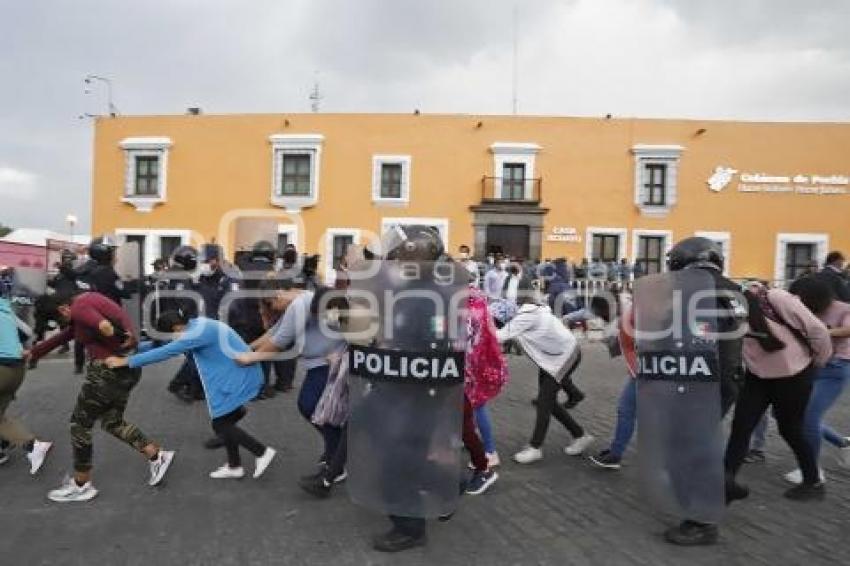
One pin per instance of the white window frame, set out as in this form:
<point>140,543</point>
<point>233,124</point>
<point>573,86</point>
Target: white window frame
<point>378,161</point>
<point>154,146</point>
<point>591,231</point>
<point>514,152</point>
<point>153,244</point>
<point>291,231</point>
<point>668,244</point>
<point>330,233</point>
<point>668,155</point>
<point>820,240</point>
<point>725,241</point>
<point>295,144</point>
<point>442,225</point>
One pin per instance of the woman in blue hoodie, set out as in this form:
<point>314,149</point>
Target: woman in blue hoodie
<point>228,386</point>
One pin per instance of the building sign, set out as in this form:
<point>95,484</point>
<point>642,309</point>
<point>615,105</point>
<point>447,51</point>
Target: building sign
<point>563,234</point>
<point>777,184</point>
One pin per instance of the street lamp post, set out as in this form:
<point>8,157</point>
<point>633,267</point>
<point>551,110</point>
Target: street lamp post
<point>72,221</point>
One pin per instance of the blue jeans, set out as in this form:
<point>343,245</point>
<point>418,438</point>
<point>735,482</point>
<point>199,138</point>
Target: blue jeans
<point>482,420</point>
<point>829,384</point>
<point>626,418</point>
<point>311,391</point>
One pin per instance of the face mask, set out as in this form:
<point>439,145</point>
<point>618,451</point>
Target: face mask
<point>205,269</point>
<point>464,255</point>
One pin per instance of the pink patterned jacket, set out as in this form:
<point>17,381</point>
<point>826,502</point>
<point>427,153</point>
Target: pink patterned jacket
<point>486,369</point>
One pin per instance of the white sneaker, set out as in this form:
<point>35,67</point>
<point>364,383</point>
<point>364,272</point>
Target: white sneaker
<point>844,456</point>
<point>528,455</point>
<point>264,461</point>
<point>227,473</point>
<point>70,491</point>
<point>160,466</point>
<point>3,458</point>
<point>38,454</point>
<point>579,445</point>
<point>796,477</point>
<point>493,459</point>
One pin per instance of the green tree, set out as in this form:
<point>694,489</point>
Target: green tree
<point>4,230</point>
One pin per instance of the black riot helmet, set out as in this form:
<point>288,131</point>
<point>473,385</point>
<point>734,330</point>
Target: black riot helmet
<point>697,251</point>
<point>415,242</point>
<point>102,249</point>
<point>185,258</point>
<point>263,250</point>
<point>67,257</point>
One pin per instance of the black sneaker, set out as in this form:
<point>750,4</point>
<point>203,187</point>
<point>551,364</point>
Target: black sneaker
<point>735,491</point>
<point>607,460</point>
<point>754,457</point>
<point>317,486</point>
<point>396,541</point>
<point>574,400</point>
<point>283,387</point>
<point>691,533</point>
<point>481,482</point>
<point>807,492</point>
<point>267,392</point>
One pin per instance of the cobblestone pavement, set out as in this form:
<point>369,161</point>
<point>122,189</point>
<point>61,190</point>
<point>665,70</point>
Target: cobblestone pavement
<point>558,511</point>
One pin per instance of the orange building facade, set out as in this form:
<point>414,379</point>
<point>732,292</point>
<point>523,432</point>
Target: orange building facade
<point>776,196</point>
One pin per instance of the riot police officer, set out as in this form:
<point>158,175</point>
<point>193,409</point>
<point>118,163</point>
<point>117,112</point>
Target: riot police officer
<point>98,274</point>
<point>178,293</point>
<point>65,282</point>
<point>214,282</point>
<point>244,315</point>
<point>406,386</point>
<point>688,339</point>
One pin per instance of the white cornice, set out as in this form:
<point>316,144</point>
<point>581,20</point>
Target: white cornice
<point>145,143</point>
<point>514,148</point>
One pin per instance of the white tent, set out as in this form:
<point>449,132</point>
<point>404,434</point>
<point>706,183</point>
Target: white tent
<point>39,237</point>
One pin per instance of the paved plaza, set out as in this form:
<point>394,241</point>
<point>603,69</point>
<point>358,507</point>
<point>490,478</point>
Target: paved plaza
<point>559,511</point>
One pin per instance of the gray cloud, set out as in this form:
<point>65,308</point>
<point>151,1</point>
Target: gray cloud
<point>751,59</point>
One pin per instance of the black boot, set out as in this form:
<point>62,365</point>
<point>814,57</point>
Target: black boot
<point>397,541</point>
<point>692,533</point>
<point>317,486</point>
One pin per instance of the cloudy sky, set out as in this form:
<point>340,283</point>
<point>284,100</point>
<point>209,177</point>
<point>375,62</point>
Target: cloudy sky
<point>746,59</point>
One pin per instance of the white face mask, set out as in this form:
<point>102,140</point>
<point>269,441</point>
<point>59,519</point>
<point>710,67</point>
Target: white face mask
<point>205,269</point>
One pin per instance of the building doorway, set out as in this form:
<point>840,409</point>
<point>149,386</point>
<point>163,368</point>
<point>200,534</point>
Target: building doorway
<point>508,239</point>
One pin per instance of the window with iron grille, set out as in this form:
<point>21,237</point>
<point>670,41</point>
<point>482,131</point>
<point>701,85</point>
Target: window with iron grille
<point>650,254</point>
<point>606,247</point>
<point>513,181</point>
<point>655,187</point>
<point>295,180</point>
<point>147,176</point>
<point>799,257</point>
<point>391,180</point>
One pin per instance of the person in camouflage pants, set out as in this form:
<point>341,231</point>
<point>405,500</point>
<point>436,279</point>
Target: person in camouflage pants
<point>105,330</point>
<point>104,397</point>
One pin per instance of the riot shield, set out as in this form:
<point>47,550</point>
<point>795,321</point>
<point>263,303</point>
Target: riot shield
<point>680,438</point>
<point>128,267</point>
<point>404,432</point>
<point>28,285</point>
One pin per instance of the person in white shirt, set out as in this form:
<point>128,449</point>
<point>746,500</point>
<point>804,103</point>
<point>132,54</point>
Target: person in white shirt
<point>470,264</point>
<point>550,345</point>
<point>494,280</point>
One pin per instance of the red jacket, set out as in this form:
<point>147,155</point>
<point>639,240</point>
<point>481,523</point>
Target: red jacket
<point>87,312</point>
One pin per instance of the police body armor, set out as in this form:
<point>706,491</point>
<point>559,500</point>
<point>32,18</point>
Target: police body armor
<point>407,388</point>
<point>680,437</point>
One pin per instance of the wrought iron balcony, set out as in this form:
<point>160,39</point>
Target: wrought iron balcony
<point>511,191</point>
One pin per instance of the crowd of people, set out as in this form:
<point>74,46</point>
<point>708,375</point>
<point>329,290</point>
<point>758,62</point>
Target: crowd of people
<point>793,357</point>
